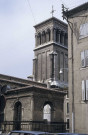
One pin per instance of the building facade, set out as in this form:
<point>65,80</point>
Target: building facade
<point>50,52</point>
<point>51,55</point>
<point>78,67</point>
<point>27,99</point>
<point>26,105</point>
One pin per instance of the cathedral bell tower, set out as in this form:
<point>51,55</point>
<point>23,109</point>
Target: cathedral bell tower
<point>50,52</point>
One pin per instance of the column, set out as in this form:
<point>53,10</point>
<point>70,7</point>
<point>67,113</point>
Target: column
<point>55,63</point>
<point>35,40</point>
<point>51,66</point>
<point>54,35</point>
<point>51,36</point>
<point>34,69</point>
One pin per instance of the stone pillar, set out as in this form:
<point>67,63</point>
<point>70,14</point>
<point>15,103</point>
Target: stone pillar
<point>54,35</point>
<point>53,65</point>
<point>32,107</point>
<point>34,69</point>
<point>51,36</point>
<point>55,55</point>
<point>35,40</point>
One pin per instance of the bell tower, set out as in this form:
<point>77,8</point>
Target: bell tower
<point>50,52</point>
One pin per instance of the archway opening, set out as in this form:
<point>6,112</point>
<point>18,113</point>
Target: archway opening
<point>17,115</point>
<point>47,112</point>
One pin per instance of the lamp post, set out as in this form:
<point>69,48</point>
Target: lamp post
<point>61,70</point>
<point>65,83</point>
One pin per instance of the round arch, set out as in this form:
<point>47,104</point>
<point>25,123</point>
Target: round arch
<point>17,115</point>
<point>47,111</point>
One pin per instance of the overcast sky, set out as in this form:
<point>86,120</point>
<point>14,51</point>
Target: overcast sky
<point>17,18</point>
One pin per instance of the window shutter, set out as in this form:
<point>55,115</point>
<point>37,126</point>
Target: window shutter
<point>83,90</point>
<point>86,57</point>
<point>86,89</point>
<point>82,59</point>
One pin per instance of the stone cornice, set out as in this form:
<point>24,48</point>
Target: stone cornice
<point>48,44</point>
<point>50,19</point>
<point>36,89</point>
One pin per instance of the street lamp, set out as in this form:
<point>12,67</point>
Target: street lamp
<point>61,70</point>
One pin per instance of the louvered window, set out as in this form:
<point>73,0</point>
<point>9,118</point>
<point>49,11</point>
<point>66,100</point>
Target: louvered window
<point>84,90</point>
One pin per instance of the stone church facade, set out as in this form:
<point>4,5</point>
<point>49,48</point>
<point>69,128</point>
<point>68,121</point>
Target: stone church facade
<point>25,103</point>
<point>28,100</point>
<point>51,55</point>
<point>50,52</point>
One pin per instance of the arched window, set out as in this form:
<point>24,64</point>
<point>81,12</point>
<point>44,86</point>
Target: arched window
<point>57,36</point>
<point>39,39</point>
<point>66,40</point>
<point>61,37</point>
<point>43,37</point>
<point>48,35</point>
<point>17,114</point>
<point>47,112</point>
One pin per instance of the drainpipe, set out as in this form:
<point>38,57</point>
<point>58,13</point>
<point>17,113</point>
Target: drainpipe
<point>73,117</point>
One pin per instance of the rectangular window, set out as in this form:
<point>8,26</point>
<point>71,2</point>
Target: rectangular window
<point>67,108</point>
<point>83,30</point>
<point>84,58</point>
<point>83,90</point>
<point>86,90</point>
<point>67,120</point>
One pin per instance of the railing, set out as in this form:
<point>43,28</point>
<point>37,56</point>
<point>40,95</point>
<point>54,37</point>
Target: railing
<point>52,127</point>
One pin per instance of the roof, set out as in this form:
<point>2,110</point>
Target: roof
<point>76,10</point>
<point>37,88</point>
<point>50,19</point>
<point>20,81</point>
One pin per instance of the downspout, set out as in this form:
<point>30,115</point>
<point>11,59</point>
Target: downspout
<point>73,111</point>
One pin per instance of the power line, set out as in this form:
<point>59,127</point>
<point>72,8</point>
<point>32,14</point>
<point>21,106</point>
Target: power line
<point>31,11</point>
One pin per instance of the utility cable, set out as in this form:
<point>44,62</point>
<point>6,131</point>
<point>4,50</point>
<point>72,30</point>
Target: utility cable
<point>31,11</point>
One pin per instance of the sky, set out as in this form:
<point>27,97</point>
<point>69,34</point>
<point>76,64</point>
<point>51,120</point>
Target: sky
<point>17,34</point>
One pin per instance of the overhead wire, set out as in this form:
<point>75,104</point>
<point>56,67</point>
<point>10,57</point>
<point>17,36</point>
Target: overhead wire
<point>31,11</point>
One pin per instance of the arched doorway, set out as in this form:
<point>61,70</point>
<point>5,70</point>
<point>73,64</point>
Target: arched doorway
<point>48,110</point>
<point>17,115</point>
